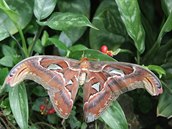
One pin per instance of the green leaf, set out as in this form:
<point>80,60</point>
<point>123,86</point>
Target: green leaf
<point>53,118</point>
<point>73,121</point>
<point>3,74</point>
<point>164,48</point>
<point>43,8</point>
<point>39,91</point>
<point>130,14</point>
<point>165,105</point>
<point>38,46</point>
<point>6,61</point>
<point>91,55</point>
<point>167,4</point>
<point>11,14</point>
<point>19,105</point>
<point>112,31</point>
<point>114,117</point>
<point>74,6</point>
<point>165,28</point>
<point>84,126</point>
<point>21,16</point>
<point>8,51</point>
<point>64,21</point>
<point>82,7</point>
<point>6,112</point>
<point>55,40</point>
<point>157,69</point>
<point>65,39</point>
<point>4,104</point>
<point>78,47</point>
<point>44,38</point>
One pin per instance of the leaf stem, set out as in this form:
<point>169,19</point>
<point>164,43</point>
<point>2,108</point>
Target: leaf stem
<point>24,46</point>
<point>31,47</point>
<point>138,57</point>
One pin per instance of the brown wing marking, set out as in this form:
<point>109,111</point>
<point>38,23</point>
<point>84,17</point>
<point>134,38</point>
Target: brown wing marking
<point>130,77</point>
<point>53,74</point>
<point>107,84</point>
<point>96,98</point>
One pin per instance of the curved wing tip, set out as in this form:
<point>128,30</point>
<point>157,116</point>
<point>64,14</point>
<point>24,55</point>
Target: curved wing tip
<point>159,91</point>
<point>8,80</point>
<point>153,85</point>
<point>158,87</point>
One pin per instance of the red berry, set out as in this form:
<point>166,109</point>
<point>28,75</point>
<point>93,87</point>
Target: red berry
<point>42,107</point>
<point>104,49</point>
<point>51,111</point>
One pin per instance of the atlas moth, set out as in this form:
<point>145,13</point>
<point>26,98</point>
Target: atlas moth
<point>102,81</point>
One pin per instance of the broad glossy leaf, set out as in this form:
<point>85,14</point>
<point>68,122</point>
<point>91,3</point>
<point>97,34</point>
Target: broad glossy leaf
<point>63,21</point>
<point>22,15</point>
<point>165,28</point>
<point>165,103</point>
<point>130,14</point>
<point>167,4</point>
<point>114,117</point>
<point>43,8</point>
<point>75,6</point>
<point>111,31</point>
<point>19,105</point>
<point>6,9</point>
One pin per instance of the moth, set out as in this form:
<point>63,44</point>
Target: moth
<point>102,81</point>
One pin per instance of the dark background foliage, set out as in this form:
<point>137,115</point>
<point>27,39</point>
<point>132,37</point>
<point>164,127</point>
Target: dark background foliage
<point>135,31</point>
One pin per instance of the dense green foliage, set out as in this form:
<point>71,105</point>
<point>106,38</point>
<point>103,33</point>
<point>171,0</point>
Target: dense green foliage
<point>136,31</point>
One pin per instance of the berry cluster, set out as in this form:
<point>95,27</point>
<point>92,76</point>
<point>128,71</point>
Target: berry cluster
<point>45,110</point>
<point>104,49</point>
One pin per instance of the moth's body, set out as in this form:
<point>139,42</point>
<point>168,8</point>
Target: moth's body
<point>102,81</point>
